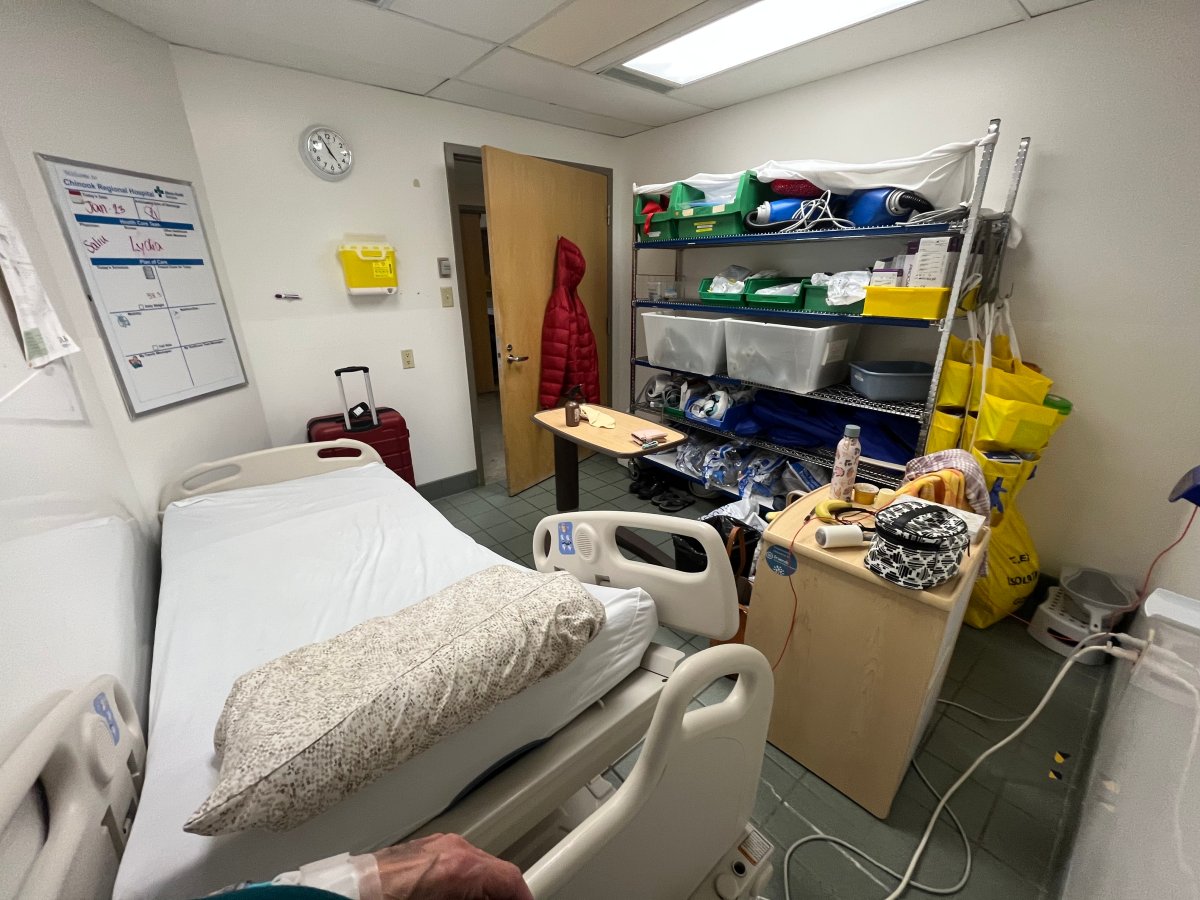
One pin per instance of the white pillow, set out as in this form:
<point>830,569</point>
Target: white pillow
<point>311,727</point>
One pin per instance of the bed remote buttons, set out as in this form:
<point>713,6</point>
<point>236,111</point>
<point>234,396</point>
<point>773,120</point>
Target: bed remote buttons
<point>566,539</point>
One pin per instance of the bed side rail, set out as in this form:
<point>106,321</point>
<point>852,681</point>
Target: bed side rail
<point>585,544</point>
<point>68,793</point>
<point>267,467</point>
<point>687,801</point>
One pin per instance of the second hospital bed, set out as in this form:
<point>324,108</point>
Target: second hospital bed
<point>277,562</point>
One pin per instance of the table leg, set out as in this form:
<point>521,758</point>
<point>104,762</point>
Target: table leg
<point>566,475</point>
<point>642,548</point>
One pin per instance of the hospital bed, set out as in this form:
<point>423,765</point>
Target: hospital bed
<point>272,550</point>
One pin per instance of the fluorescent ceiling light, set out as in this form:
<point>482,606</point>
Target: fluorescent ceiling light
<point>753,32</point>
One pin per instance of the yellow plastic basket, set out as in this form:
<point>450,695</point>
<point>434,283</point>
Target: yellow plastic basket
<point>906,302</point>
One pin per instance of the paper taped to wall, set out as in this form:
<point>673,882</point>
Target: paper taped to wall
<point>42,335</point>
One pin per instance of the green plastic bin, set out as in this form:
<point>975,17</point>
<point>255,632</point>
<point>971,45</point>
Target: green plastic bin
<point>663,226</point>
<point>815,301</point>
<point>696,218</point>
<point>769,301</point>
<point>724,299</point>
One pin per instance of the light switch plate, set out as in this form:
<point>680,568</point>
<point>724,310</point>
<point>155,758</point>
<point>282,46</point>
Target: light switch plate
<point>444,266</point>
<point>447,296</point>
<point>406,358</point>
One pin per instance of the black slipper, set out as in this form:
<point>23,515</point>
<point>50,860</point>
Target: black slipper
<point>640,483</point>
<point>651,488</point>
<point>670,501</point>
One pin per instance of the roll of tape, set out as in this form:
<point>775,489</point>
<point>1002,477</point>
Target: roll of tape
<point>830,536</point>
<point>885,496</point>
<point>865,494</point>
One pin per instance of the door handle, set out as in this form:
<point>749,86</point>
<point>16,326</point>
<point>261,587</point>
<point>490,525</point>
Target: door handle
<point>513,359</point>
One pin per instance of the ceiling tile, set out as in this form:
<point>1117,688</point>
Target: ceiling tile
<point>497,101</point>
<point>345,39</point>
<point>686,21</point>
<point>585,29</point>
<point>907,30</point>
<point>1040,7</point>
<point>527,76</point>
<point>493,20</point>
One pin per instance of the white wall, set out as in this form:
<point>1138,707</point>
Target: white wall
<point>280,226</point>
<point>77,567</point>
<point>1102,298</point>
<point>82,84</point>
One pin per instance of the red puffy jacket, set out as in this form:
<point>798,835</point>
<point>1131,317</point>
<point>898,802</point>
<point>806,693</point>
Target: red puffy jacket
<point>568,345</point>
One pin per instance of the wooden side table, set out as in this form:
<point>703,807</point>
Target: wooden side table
<point>616,442</point>
<point>859,678</point>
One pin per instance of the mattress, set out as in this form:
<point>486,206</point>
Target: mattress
<point>250,574</point>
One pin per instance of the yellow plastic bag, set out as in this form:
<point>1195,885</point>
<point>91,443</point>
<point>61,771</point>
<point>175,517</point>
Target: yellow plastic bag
<point>1014,425</point>
<point>1012,380</point>
<point>1012,572</point>
<point>1004,474</point>
<point>954,386</point>
<point>944,429</point>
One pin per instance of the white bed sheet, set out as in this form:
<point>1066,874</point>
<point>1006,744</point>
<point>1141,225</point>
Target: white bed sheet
<point>251,574</point>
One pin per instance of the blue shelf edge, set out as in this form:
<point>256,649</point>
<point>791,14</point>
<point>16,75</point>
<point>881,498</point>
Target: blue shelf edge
<point>795,315</point>
<point>886,231</point>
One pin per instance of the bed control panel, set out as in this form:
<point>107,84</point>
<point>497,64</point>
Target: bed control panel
<point>566,538</point>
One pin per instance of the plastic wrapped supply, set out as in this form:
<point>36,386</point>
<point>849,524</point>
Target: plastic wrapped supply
<point>723,465</point>
<point>762,475</point>
<point>781,290</point>
<point>732,279</point>
<point>844,288</point>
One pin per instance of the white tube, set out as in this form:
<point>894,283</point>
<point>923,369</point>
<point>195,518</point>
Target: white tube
<point>830,536</point>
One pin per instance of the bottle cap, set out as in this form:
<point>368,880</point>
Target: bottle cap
<point>852,431</point>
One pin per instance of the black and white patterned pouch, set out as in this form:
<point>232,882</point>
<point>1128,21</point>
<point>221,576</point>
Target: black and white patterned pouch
<point>916,545</point>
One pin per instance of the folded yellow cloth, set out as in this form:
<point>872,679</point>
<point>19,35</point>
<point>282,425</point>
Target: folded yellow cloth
<point>597,418</point>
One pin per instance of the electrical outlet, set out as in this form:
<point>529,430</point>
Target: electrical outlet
<point>406,357</point>
<point>447,296</point>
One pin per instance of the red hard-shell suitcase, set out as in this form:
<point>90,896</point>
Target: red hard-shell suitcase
<point>382,428</point>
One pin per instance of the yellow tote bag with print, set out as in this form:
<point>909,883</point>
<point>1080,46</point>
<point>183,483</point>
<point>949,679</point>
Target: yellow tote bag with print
<point>1013,569</point>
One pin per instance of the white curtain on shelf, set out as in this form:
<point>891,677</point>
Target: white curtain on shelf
<point>943,175</point>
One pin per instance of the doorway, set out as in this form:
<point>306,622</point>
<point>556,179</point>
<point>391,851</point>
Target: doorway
<point>475,271</point>
<point>506,266</point>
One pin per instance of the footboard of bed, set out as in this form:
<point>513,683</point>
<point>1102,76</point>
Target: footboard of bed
<point>267,467</point>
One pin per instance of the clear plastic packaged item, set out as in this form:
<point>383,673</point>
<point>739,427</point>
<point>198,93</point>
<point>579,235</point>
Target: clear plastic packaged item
<point>843,288</point>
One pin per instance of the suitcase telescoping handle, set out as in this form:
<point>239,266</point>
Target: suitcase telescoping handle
<point>370,393</point>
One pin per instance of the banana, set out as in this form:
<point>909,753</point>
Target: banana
<point>827,510</point>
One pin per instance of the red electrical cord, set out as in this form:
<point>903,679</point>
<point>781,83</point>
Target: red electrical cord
<point>795,597</point>
<point>1146,582</point>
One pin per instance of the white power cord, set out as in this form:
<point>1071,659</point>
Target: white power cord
<point>906,880</point>
<point>980,715</point>
<point>816,213</point>
<point>846,845</point>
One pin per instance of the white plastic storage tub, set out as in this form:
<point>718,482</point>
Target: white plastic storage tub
<point>798,358</point>
<point>685,343</point>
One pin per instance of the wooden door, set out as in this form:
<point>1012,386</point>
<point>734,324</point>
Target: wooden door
<point>476,279</point>
<point>530,203</point>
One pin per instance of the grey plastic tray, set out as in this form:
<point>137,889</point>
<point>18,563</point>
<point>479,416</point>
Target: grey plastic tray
<point>892,380</point>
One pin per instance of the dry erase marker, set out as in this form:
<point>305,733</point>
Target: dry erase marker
<point>287,296</point>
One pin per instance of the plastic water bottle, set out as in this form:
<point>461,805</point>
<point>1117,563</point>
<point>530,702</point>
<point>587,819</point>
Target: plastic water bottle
<point>845,464</point>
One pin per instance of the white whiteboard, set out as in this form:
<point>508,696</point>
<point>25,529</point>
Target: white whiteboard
<point>146,266</point>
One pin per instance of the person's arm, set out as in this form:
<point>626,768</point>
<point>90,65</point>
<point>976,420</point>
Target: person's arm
<point>438,867</point>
